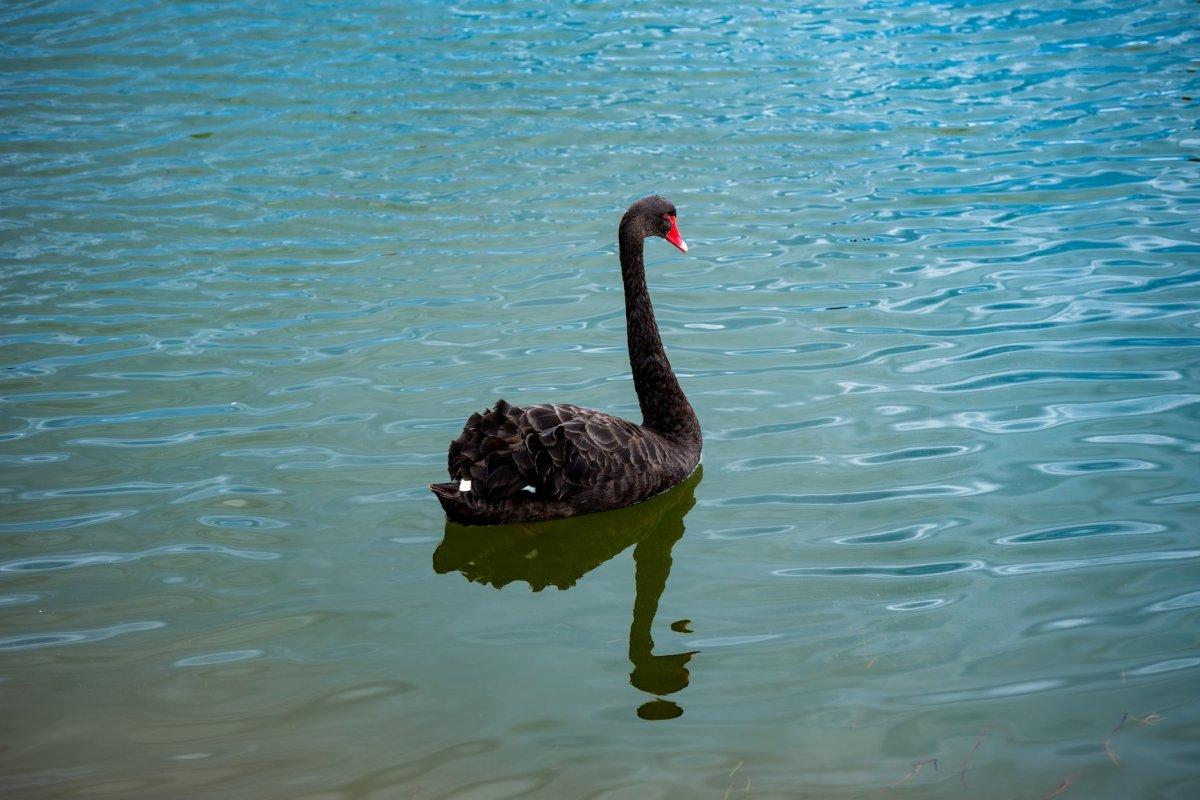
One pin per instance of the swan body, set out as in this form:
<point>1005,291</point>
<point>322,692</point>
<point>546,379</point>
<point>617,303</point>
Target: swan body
<point>513,464</point>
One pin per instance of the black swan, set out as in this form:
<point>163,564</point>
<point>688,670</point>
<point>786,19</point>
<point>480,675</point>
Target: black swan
<point>551,461</point>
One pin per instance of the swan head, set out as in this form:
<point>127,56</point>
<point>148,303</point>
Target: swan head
<point>655,216</point>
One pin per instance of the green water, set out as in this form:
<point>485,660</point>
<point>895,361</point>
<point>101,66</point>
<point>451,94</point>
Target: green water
<point>938,320</point>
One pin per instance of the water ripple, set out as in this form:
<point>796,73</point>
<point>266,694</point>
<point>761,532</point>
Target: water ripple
<point>905,571</point>
<point>226,657</point>
<point>1113,528</point>
<point>909,533</point>
<point>1056,414</point>
<point>34,641</point>
<point>1089,467</point>
<point>185,437</point>
<point>1187,600</point>
<point>64,523</point>
<point>1067,564</point>
<point>1005,380</point>
<point>990,692</point>
<point>71,561</point>
<point>38,425</point>
<point>868,496</point>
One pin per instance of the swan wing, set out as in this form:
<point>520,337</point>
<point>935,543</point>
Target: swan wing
<point>588,455</point>
<point>564,452</point>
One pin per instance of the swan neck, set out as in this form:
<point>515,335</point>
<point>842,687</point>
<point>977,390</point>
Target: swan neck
<point>665,409</point>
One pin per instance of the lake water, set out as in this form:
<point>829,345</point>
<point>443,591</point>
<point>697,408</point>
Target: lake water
<point>938,319</point>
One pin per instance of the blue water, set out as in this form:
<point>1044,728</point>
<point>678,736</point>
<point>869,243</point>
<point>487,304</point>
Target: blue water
<point>938,320</point>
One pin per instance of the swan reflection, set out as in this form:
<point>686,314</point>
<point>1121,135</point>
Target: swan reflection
<point>559,553</point>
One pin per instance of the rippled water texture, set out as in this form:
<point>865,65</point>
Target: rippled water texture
<point>938,320</point>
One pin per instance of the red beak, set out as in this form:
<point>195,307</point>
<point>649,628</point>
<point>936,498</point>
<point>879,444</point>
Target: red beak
<point>674,236</point>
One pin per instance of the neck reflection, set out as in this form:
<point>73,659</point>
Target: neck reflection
<point>656,675</point>
<point>560,552</point>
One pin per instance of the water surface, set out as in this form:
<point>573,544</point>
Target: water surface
<point>938,320</point>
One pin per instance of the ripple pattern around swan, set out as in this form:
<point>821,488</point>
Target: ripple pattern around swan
<point>938,319</point>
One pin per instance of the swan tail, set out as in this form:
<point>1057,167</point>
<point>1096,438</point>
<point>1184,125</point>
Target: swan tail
<point>490,458</point>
